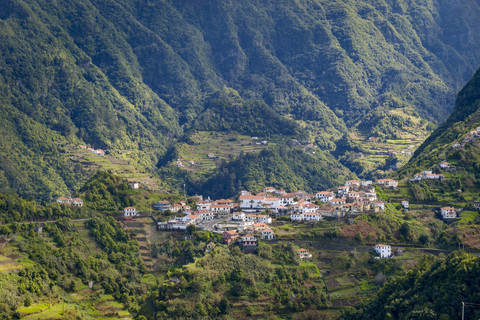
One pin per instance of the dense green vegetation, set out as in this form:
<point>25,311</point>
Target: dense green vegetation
<point>439,147</point>
<point>15,209</point>
<point>281,166</point>
<point>226,111</point>
<point>133,77</point>
<point>64,259</point>
<point>227,276</point>
<point>434,289</point>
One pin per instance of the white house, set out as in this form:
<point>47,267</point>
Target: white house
<point>444,165</point>
<point>267,234</point>
<point>405,204</point>
<point>134,185</point>
<point>343,190</point>
<point>388,183</point>
<point>77,202</point>
<point>385,251</point>
<point>435,176</point>
<point>366,183</point>
<point>313,216</point>
<point>218,209</point>
<point>325,196</point>
<point>203,205</point>
<point>448,212</point>
<point>353,183</point>
<point>205,215</point>
<point>304,254</point>
<point>63,200</point>
<point>309,208</point>
<point>249,240</point>
<point>264,219</point>
<point>188,219</point>
<point>238,216</point>
<point>129,212</point>
<point>287,199</point>
<point>296,217</point>
<point>251,217</point>
<point>250,202</point>
<point>269,190</point>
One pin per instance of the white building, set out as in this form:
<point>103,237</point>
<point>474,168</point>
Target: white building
<point>238,216</point>
<point>313,216</point>
<point>218,209</point>
<point>267,234</point>
<point>203,205</point>
<point>129,212</point>
<point>405,204</point>
<point>385,251</point>
<point>325,196</point>
<point>256,203</point>
<point>264,219</point>
<point>343,190</point>
<point>444,165</point>
<point>287,199</point>
<point>205,215</point>
<point>448,212</point>
<point>353,183</point>
<point>134,185</point>
<point>309,208</point>
<point>296,217</point>
<point>366,183</point>
<point>303,254</point>
<point>388,183</point>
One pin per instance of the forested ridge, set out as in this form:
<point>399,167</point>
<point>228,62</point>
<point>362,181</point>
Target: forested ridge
<point>140,76</point>
<point>434,289</point>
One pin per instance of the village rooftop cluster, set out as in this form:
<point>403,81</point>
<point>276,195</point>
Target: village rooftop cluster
<point>249,218</point>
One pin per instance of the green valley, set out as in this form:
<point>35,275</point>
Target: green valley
<point>239,159</point>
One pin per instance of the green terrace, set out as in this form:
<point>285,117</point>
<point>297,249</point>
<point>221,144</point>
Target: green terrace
<point>208,147</point>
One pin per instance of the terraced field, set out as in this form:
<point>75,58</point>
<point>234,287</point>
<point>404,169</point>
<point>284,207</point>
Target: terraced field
<point>119,162</point>
<point>220,146</point>
<point>144,230</point>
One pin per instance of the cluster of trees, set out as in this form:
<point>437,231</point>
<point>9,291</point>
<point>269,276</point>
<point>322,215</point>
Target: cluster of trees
<point>227,111</point>
<point>217,280</point>
<point>106,192</point>
<point>281,166</point>
<point>434,289</point>
<point>15,209</point>
<point>114,265</point>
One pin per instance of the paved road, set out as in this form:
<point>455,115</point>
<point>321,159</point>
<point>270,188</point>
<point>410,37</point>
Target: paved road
<point>210,225</point>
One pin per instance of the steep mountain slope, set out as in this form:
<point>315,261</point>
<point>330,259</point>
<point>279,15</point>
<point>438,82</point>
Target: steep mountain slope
<point>433,290</point>
<point>440,145</point>
<point>134,75</point>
